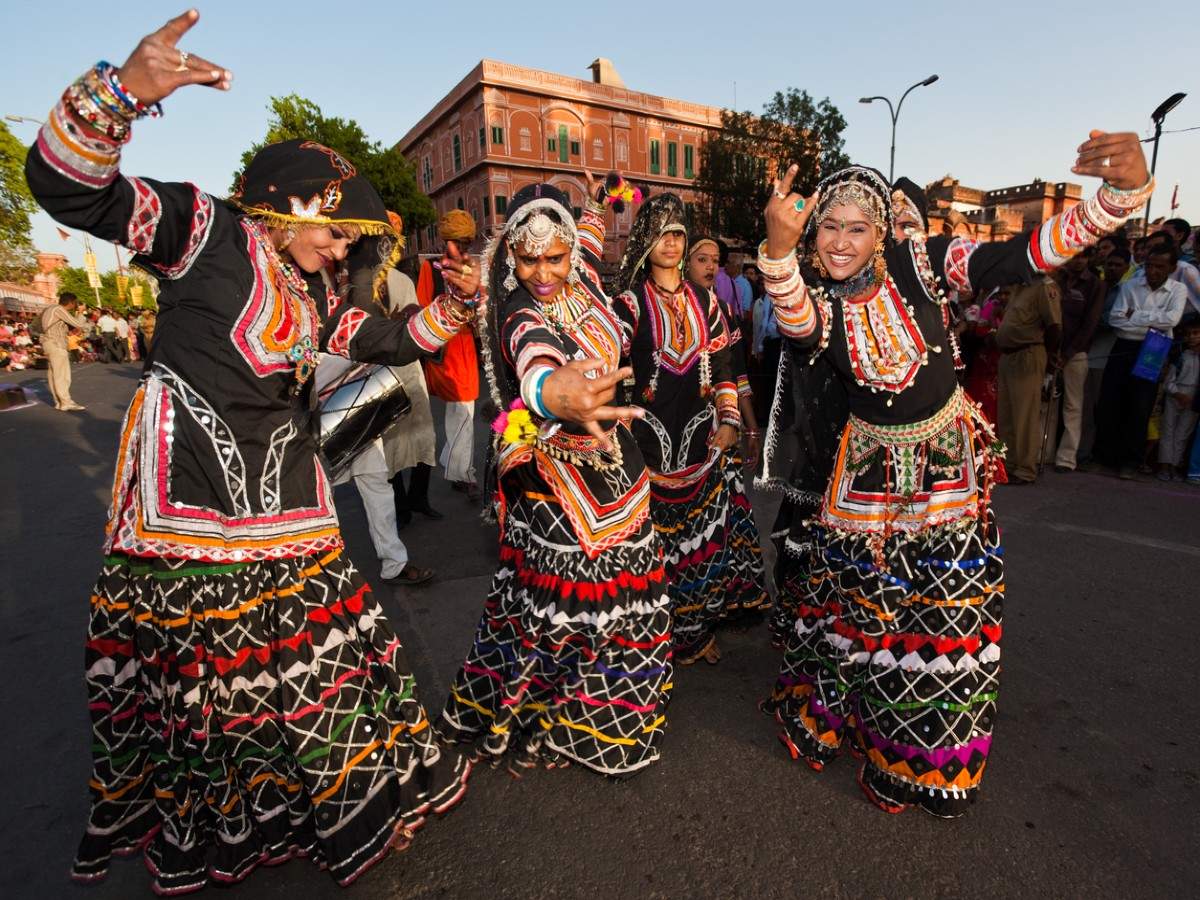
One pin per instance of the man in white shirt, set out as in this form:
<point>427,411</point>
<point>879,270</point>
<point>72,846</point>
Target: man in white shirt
<point>57,321</point>
<point>1149,300</point>
<point>106,325</point>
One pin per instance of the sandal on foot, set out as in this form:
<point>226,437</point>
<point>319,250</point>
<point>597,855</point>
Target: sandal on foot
<point>689,658</point>
<point>411,576</point>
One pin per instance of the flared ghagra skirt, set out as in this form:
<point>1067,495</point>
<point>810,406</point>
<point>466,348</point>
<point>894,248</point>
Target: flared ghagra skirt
<point>250,712</point>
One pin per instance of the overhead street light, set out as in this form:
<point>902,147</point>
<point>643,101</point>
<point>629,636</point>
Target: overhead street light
<point>25,119</point>
<point>1157,117</point>
<point>895,112</point>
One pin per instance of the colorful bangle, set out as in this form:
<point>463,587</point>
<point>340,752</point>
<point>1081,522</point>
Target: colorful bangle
<point>531,389</point>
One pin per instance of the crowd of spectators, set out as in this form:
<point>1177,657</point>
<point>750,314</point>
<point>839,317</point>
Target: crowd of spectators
<point>1095,367</point>
<point>110,336</point>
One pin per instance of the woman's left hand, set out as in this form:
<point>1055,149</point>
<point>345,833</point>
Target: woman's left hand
<point>724,437</point>
<point>1117,158</point>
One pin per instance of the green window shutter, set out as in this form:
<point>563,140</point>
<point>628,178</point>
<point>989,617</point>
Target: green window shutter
<point>689,161</point>
<point>457,154</point>
<point>497,134</point>
<point>574,148</point>
<point>501,204</point>
<point>563,143</point>
<point>482,139</point>
<point>487,206</point>
<point>551,144</point>
<point>672,159</point>
<point>654,158</point>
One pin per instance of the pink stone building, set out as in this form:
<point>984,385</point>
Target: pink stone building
<point>503,127</point>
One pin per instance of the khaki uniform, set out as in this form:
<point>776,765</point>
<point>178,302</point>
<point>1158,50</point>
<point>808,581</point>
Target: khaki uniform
<point>56,323</point>
<point>1021,339</point>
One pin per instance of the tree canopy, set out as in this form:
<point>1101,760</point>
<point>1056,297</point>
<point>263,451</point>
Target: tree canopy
<point>16,206</point>
<point>738,163</point>
<point>385,167</point>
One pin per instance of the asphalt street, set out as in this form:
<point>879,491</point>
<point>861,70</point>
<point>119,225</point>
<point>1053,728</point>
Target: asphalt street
<point>1092,789</point>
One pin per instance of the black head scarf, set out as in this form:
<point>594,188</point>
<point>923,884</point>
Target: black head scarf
<point>301,182</point>
<point>915,198</point>
<point>660,214</point>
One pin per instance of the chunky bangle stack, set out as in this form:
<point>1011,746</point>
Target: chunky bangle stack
<point>781,277</point>
<point>99,98</point>
<point>531,389</point>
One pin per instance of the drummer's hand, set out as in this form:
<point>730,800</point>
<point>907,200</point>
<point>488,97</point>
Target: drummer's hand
<point>460,271</point>
<point>569,394</point>
<point>155,69</point>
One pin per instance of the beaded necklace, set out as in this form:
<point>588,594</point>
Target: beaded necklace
<point>884,343</point>
<point>292,289</point>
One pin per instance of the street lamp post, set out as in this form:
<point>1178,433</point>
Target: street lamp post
<point>29,119</point>
<point>1158,116</point>
<point>895,111</point>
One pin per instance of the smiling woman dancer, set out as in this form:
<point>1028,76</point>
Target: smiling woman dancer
<point>571,660</point>
<point>896,644</point>
<point>249,701</point>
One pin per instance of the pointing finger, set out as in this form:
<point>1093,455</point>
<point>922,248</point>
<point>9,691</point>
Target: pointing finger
<point>177,27</point>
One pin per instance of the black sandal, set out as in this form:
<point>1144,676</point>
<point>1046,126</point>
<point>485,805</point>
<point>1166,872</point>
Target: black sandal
<point>411,576</point>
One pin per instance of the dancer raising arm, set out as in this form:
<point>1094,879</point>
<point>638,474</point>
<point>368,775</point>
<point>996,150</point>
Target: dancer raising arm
<point>896,642</point>
<point>249,700</point>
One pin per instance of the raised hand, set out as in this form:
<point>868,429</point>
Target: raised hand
<point>157,67</point>
<point>460,271</point>
<point>787,214</point>
<point>1117,158</point>
<point>570,395</point>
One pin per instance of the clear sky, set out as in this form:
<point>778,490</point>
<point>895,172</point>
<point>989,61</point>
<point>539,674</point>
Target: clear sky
<point>1021,82</point>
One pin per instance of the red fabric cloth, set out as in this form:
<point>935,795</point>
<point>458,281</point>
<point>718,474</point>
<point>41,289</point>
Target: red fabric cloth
<point>456,377</point>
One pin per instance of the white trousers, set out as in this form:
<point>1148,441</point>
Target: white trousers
<point>458,456</point>
<point>380,504</point>
<point>1175,427</point>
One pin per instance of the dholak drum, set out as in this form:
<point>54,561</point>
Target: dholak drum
<point>355,408</point>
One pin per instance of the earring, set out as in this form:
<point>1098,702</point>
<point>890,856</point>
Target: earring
<point>879,263</point>
<point>289,235</point>
<point>818,265</point>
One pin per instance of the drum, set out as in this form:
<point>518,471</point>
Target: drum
<point>355,408</point>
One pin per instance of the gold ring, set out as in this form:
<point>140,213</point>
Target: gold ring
<point>183,61</point>
<point>466,269</point>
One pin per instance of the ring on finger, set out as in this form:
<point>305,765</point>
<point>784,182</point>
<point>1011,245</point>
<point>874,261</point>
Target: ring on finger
<point>184,56</point>
<point>1106,162</point>
<point>466,268</point>
<point>780,194</point>
<point>799,205</point>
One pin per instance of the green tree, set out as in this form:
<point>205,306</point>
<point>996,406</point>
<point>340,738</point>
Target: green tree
<point>738,162</point>
<point>75,280</point>
<point>385,167</point>
<point>16,206</point>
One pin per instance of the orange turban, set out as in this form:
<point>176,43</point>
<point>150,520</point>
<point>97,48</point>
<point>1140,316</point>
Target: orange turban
<point>456,225</point>
<point>397,222</point>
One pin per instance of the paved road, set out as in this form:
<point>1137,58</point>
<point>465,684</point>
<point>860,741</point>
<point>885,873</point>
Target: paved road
<point>1092,788</point>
